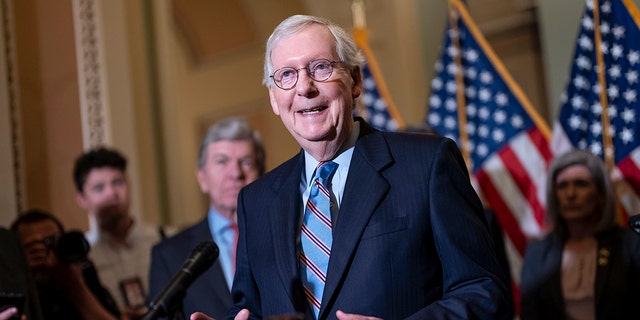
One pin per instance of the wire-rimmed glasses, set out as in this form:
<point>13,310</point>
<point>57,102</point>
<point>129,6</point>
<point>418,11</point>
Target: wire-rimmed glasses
<point>319,70</point>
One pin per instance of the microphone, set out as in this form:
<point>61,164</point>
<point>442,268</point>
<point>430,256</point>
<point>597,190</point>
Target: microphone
<point>202,257</point>
<point>634,223</point>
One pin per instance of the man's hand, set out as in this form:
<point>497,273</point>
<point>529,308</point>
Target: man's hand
<point>242,315</point>
<point>349,316</point>
<point>8,313</point>
<point>200,316</point>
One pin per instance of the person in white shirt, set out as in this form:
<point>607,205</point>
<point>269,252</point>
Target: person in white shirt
<point>120,244</point>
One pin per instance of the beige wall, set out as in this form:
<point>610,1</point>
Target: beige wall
<point>45,92</point>
<point>162,91</point>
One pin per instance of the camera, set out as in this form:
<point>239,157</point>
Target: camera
<point>70,247</point>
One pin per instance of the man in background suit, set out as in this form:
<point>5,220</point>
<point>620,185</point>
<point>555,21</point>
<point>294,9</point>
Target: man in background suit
<point>16,278</point>
<point>409,238</point>
<point>67,283</point>
<point>231,156</point>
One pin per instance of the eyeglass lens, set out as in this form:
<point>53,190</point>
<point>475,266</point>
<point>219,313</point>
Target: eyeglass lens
<point>318,70</point>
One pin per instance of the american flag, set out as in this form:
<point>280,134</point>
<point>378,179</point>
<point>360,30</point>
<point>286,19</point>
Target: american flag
<point>610,31</point>
<point>475,102</point>
<point>376,109</point>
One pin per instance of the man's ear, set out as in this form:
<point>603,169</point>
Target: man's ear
<point>356,75</point>
<point>202,180</point>
<point>272,100</point>
<point>82,202</point>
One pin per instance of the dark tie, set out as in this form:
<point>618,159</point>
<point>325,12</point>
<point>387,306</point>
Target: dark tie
<point>316,235</point>
<point>234,227</point>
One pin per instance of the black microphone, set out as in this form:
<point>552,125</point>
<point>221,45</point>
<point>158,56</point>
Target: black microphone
<point>634,223</point>
<point>202,257</point>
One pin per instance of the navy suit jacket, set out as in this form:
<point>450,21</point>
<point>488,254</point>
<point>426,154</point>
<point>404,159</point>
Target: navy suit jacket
<point>15,275</point>
<point>617,283</point>
<point>410,239</point>
<point>209,292</point>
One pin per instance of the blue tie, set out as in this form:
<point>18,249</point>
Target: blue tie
<point>316,236</point>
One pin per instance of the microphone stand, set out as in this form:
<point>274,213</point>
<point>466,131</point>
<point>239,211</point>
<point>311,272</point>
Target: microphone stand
<point>158,311</point>
<point>170,299</point>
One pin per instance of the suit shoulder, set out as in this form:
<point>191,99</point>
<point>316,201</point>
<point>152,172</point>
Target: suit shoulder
<point>183,237</point>
<point>275,176</point>
<point>402,140</point>
<point>543,244</point>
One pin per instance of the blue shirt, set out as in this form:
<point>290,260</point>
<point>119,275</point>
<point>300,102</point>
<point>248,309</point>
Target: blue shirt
<point>224,236</point>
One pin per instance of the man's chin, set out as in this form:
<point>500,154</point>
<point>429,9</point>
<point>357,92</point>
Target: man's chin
<point>110,217</point>
<point>41,274</point>
<point>111,212</point>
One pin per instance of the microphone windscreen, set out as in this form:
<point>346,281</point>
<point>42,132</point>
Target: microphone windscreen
<point>634,223</point>
<point>201,258</point>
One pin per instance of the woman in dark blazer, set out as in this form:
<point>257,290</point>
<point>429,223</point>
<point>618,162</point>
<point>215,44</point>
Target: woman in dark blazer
<point>588,266</point>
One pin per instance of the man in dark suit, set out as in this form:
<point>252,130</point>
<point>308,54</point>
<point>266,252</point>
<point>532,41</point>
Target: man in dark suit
<point>407,235</point>
<point>231,156</point>
<point>68,285</point>
<point>16,279</point>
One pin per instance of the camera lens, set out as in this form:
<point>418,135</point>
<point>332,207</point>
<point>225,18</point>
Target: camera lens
<point>72,247</point>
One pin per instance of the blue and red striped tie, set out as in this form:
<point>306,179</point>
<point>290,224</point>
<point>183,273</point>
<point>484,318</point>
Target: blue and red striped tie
<point>316,237</point>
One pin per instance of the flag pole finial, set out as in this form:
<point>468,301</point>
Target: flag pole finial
<point>359,17</point>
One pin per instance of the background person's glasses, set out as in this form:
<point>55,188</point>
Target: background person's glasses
<point>318,70</point>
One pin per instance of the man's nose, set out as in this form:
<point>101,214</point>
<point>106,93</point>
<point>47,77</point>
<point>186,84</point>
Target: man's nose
<point>37,253</point>
<point>112,192</point>
<point>235,169</point>
<point>306,85</point>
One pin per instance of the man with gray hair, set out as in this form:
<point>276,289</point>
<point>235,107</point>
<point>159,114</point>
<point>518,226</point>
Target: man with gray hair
<point>231,156</point>
<point>360,224</point>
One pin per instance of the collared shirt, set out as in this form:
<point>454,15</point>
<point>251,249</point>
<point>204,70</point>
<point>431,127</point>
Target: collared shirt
<point>124,264</point>
<point>339,179</point>
<point>224,236</point>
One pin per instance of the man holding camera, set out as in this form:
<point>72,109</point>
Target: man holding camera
<point>67,283</point>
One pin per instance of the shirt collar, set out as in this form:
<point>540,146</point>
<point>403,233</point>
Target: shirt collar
<point>217,222</point>
<point>343,159</point>
<point>97,235</point>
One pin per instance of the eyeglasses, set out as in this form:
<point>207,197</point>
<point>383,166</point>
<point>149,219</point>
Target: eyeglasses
<point>318,70</point>
<point>48,243</point>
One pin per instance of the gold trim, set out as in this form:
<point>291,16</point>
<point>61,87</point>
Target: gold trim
<point>90,79</point>
<point>8,46</point>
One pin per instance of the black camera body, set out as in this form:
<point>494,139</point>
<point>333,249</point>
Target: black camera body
<point>70,247</point>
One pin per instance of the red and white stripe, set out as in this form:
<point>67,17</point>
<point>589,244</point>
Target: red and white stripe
<point>513,182</point>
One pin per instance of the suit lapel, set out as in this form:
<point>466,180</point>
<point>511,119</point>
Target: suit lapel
<point>216,275</point>
<point>606,252</point>
<point>554,263</point>
<point>364,189</point>
<point>284,217</point>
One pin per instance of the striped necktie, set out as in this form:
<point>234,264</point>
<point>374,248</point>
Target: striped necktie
<point>316,237</point>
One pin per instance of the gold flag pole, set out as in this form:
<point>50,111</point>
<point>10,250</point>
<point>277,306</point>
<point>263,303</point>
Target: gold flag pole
<point>607,140</point>
<point>361,35</point>
<point>460,97</point>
